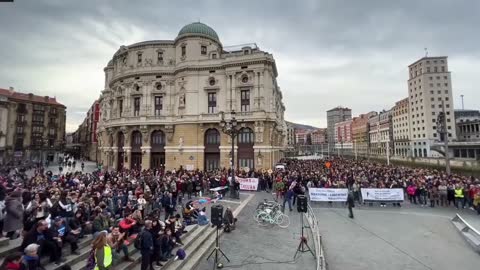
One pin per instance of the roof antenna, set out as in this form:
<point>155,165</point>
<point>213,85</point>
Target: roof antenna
<point>426,52</point>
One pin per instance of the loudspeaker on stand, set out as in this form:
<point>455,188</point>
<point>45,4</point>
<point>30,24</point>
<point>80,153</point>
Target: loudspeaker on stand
<point>217,214</point>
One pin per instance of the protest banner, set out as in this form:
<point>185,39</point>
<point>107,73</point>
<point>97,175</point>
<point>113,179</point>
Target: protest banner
<point>382,194</point>
<point>328,194</point>
<point>248,183</point>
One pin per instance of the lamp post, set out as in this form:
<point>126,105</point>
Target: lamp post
<point>230,128</point>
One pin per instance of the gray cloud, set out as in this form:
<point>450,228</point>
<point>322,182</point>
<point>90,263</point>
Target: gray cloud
<point>329,53</point>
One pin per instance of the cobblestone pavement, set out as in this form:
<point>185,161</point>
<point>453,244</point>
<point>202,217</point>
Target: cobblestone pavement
<point>391,238</point>
<point>251,247</point>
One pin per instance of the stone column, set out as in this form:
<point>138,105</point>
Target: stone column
<point>128,157</point>
<point>115,157</point>
<point>146,157</point>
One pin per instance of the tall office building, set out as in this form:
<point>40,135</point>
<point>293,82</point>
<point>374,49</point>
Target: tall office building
<point>336,115</point>
<point>430,92</point>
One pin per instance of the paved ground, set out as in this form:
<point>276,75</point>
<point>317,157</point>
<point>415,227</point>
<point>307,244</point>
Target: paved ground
<point>395,238</point>
<point>251,247</point>
<point>89,167</point>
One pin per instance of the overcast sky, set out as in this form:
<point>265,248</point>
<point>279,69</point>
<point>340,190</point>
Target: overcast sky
<point>328,53</point>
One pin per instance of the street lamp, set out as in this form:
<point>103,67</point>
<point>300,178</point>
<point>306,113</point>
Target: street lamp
<point>231,129</point>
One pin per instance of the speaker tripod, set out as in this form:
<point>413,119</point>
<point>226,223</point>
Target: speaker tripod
<point>303,246</point>
<point>216,250</point>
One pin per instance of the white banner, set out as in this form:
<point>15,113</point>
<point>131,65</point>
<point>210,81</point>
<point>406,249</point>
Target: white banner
<point>248,183</point>
<point>382,194</point>
<point>328,194</point>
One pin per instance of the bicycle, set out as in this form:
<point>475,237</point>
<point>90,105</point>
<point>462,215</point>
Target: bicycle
<point>273,216</point>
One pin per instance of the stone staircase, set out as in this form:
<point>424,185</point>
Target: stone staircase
<point>78,262</point>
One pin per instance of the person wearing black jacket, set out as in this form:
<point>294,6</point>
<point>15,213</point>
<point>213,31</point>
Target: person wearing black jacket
<point>350,204</point>
<point>167,244</point>
<point>147,246</point>
<point>41,235</point>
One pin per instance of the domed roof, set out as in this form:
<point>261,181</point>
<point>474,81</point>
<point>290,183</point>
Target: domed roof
<point>198,28</point>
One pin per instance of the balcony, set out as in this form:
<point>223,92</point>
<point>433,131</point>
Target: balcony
<point>21,122</point>
<point>52,124</point>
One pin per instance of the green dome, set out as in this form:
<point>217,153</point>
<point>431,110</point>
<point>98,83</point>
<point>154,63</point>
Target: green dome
<point>199,28</point>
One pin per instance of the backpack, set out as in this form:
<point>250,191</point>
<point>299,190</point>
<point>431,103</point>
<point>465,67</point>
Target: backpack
<point>181,254</point>
<point>138,241</point>
<point>91,260</point>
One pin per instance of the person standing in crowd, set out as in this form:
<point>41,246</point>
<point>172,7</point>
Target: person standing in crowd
<point>459,196</point>
<point>442,191</point>
<point>102,252</point>
<point>147,246</point>
<point>288,198</point>
<point>350,204</point>
<point>13,220</point>
<point>169,205</point>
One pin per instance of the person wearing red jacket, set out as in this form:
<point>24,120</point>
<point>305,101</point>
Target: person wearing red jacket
<point>127,224</point>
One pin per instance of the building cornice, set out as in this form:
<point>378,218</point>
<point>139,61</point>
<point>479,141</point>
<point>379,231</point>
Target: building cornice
<point>174,72</point>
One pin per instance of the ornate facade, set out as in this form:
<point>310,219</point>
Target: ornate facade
<point>163,99</point>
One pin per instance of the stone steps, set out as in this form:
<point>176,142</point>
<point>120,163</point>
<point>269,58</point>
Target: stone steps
<point>196,251</point>
<point>80,263</point>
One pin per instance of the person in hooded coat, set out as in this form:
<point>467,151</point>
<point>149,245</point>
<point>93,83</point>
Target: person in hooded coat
<point>14,214</point>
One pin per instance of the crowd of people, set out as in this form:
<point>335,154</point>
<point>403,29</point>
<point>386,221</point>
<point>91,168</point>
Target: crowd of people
<point>52,211</point>
<point>422,186</point>
<point>55,211</point>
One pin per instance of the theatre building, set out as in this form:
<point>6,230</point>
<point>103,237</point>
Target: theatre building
<point>163,101</point>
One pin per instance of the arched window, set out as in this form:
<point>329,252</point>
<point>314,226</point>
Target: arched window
<point>136,138</point>
<point>424,152</point>
<point>121,140</point>
<point>158,138</point>
<point>212,136</point>
<point>246,136</point>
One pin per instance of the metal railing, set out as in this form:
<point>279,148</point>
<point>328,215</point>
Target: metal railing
<point>317,239</point>
<point>468,232</point>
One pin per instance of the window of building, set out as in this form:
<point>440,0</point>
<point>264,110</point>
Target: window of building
<point>214,56</point>
<point>20,129</point>
<point>160,56</point>
<point>434,120</point>
<point>431,85</point>
<point>245,136</point>
<point>433,106</point>
<point>428,69</point>
<point>212,137</point>
<point>448,105</point>
<point>449,127</point>
<point>435,69</point>
<point>446,84</point>
<point>445,77</point>
<point>136,106</point>
<point>184,51</point>
<point>446,92</point>
<point>51,131</point>
<point>433,113</point>
<point>432,99</point>
<point>21,118</point>
<point>120,107</point>
<point>245,100</point>
<point>212,102</point>
<point>203,50</point>
<point>38,107</point>
<point>443,69</point>
<point>139,58</point>
<point>158,104</point>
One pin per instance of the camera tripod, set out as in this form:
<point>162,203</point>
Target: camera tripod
<point>303,246</point>
<point>216,250</point>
